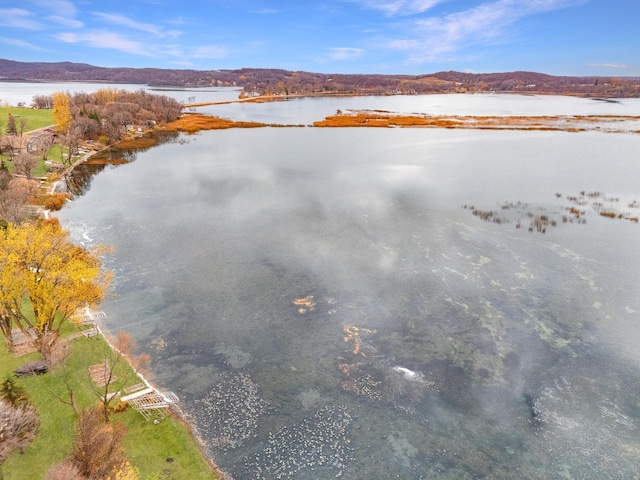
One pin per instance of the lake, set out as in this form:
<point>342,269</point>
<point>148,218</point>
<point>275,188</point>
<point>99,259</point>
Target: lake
<point>14,93</point>
<point>386,303</point>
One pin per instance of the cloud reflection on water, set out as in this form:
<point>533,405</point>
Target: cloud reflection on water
<point>217,238</point>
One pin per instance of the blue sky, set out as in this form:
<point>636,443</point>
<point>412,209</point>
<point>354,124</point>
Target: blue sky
<point>560,37</point>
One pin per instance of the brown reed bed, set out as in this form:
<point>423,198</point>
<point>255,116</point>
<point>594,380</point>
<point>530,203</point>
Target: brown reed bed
<point>378,118</point>
<point>138,143</point>
<point>194,123</point>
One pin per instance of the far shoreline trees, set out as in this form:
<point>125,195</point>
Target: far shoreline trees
<point>109,114</point>
<point>104,117</point>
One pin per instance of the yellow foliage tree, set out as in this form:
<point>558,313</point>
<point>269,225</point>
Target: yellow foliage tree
<point>44,280</point>
<point>62,111</point>
<point>106,95</point>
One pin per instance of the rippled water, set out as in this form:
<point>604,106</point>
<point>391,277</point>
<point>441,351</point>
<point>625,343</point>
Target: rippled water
<point>326,304</point>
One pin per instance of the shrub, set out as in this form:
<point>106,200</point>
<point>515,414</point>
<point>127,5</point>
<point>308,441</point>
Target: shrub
<point>97,449</point>
<point>12,393</point>
<point>55,201</point>
<point>64,471</point>
<point>18,427</point>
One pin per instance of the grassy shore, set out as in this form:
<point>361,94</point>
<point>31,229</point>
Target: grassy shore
<point>164,451</point>
<point>34,119</point>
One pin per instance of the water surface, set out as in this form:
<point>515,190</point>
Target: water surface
<point>324,304</point>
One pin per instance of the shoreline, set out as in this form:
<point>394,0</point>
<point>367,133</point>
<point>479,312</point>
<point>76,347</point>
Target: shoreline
<point>179,414</point>
<point>174,411</point>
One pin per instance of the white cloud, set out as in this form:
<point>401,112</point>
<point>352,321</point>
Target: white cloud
<point>186,53</point>
<point>118,19</point>
<point>19,18</point>
<point>400,7</point>
<point>208,51</point>
<point>62,8</point>
<point>67,22</point>
<point>98,39</point>
<point>173,33</point>
<point>436,37</point>
<point>177,21</point>
<point>173,51</point>
<point>345,53</point>
<point>608,65</point>
<point>19,43</point>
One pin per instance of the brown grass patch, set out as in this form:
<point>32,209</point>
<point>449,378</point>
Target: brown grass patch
<point>55,201</point>
<point>107,161</point>
<point>138,143</point>
<point>365,119</point>
<point>194,123</point>
<point>482,122</point>
<point>267,98</point>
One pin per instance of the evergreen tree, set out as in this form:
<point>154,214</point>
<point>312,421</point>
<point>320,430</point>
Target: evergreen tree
<point>11,126</point>
<point>13,393</point>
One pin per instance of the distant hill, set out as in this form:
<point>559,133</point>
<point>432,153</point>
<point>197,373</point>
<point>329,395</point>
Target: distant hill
<point>284,82</point>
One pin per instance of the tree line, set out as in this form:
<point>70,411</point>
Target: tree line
<point>265,81</point>
<point>16,189</point>
<point>44,278</point>
<point>109,112</point>
<point>104,117</point>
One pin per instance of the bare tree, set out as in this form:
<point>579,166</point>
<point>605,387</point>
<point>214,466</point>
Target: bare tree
<point>97,449</point>
<point>70,141</point>
<point>42,102</point>
<point>18,193</point>
<point>121,354</point>
<point>10,145</point>
<point>40,143</point>
<point>18,427</point>
<point>64,471</point>
<point>5,176</point>
<point>22,125</point>
<point>24,163</point>
<point>62,353</point>
<point>85,127</point>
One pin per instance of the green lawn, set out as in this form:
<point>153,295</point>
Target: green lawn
<point>148,445</point>
<point>34,118</point>
<point>55,154</point>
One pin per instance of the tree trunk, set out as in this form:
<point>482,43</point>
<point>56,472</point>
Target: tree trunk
<point>5,326</point>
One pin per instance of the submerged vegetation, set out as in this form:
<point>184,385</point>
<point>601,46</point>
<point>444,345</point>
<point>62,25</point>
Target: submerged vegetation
<point>539,219</point>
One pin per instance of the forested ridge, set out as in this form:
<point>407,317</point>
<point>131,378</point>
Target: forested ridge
<point>263,81</point>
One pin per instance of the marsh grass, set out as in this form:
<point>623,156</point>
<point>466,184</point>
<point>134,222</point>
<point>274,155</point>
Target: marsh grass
<point>197,122</point>
<point>578,123</point>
